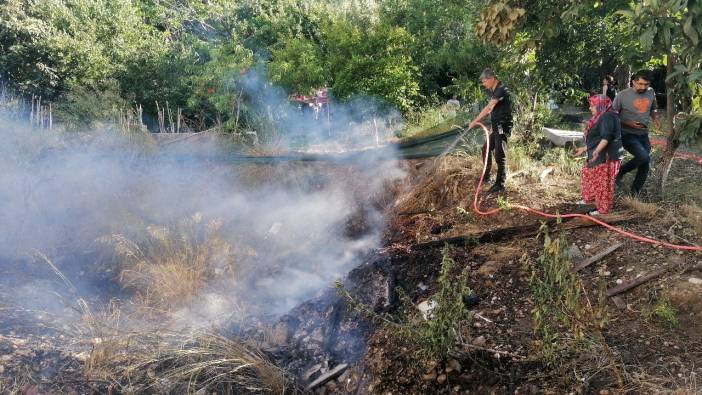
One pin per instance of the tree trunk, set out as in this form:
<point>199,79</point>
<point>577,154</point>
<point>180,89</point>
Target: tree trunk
<point>672,139</point>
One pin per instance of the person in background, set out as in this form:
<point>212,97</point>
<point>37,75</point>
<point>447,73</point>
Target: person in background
<point>609,87</point>
<point>636,107</point>
<point>500,109</point>
<point>452,106</point>
<point>604,154</point>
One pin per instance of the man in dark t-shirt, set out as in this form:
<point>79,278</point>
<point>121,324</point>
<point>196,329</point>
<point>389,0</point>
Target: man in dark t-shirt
<point>500,109</point>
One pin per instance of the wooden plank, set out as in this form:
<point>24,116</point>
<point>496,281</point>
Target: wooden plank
<point>532,229</point>
<point>612,218</point>
<point>621,288</point>
<point>619,302</point>
<point>589,261</point>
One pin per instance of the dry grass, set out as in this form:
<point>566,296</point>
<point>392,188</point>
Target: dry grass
<point>645,210</point>
<point>178,363</point>
<point>693,215</point>
<point>16,385</point>
<point>446,184</point>
<point>173,264</point>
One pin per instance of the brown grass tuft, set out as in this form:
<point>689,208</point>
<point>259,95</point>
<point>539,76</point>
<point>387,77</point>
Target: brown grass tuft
<point>447,185</point>
<point>177,363</point>
<point>646,210</point>
<point>693,215</point>
<point>172,264</point>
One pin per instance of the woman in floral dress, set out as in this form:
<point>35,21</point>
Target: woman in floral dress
<point>603,143</point>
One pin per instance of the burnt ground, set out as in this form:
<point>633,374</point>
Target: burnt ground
<point>639,351</point>
<point>498,352</point>
<point>39,341</point>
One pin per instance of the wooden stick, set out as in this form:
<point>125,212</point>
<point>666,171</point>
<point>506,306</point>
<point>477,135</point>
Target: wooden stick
<point>589,261</point>
<point>499,234</point>
<point>621,288</point>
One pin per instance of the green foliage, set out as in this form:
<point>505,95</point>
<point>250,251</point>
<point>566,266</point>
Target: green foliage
<point>298,65</point>
<point>671,30</point>
<point>352,59</point>
<point>372,60</point>
<point>83,106</point>
<point>560,315</point>
<point>216,86</point>
<point>411,54</point>
<point>661,310</point>
<point>437,335</point>
<point>443,48</point>
<point>52,46</point>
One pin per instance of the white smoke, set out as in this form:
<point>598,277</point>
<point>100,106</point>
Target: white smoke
<point>59,192</point>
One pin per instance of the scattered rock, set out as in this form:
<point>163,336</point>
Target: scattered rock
<point>479,341</point>
<point>545,173</point>
<point>575,252</point>
<point>431,376</point>
<point>695,280</point>
<point>426,308</point>
<point>454,366</point>
<point>441,379</point>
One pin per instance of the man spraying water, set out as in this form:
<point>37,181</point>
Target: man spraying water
<point>500,109</point>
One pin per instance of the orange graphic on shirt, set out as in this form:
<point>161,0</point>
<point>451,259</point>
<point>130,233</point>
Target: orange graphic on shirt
<point>642,105</point>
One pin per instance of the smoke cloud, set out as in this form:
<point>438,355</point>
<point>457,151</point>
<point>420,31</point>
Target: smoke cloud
<point>295,227</point>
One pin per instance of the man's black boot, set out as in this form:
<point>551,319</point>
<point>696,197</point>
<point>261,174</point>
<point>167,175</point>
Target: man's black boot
<point>497,188</point>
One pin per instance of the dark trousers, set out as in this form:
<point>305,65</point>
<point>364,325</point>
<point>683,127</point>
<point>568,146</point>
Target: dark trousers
<point>498,149</point>
<point>640,147</point>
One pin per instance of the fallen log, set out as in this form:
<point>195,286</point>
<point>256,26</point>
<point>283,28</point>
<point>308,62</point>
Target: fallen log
<point>532,229</point>
<point>589,261</point>
<point>621,288</point>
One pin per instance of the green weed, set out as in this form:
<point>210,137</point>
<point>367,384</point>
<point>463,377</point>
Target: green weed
<point>661,311</point>
<point>438,334</point>
<point>560,314</point>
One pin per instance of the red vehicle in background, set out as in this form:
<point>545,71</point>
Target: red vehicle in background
<point>314,104</point>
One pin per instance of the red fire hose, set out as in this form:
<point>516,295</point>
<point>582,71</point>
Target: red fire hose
<point>681,155</point>
<point>476,208</point>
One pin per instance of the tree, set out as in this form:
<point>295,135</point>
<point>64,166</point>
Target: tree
<point>351,59</point>
<point>671,30</point>
<point>443,46</point>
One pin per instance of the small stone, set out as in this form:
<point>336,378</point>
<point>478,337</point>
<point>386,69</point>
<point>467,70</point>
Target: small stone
<point>620,281</point>
<point>479,341</point>
<point>607,273</point>
<point>454,365</point>
<point>441,379</point>
<point>426,308</point>
<point>431,376</point>
<point>695,280</point>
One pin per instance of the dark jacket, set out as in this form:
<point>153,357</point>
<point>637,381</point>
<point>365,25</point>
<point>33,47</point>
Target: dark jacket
<point>609,128</point>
